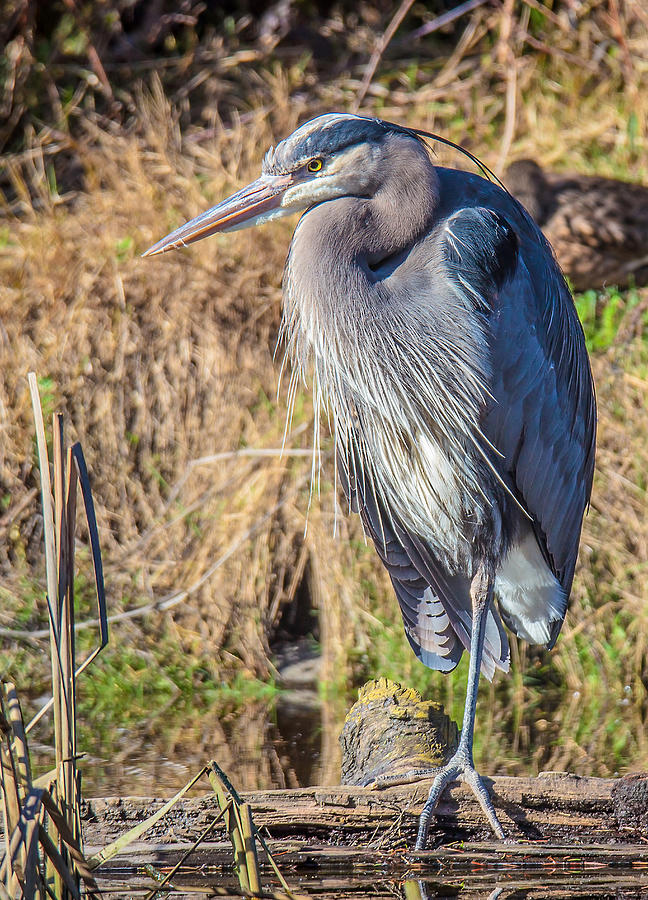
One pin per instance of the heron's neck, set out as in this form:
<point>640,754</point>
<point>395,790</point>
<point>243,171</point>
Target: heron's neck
<point>368,230</point>
<point>338,243</point>
<point>332,292</point>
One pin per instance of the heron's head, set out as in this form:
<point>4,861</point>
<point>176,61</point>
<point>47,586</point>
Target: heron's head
<point>336,155</point>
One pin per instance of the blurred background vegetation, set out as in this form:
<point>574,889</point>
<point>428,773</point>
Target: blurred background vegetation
<point>118,121</point>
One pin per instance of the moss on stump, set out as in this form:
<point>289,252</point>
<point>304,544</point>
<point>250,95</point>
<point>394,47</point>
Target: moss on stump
<point>391,730</point>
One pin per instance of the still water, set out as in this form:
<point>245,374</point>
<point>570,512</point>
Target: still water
<point>607,886</point>
<point>287,744</point>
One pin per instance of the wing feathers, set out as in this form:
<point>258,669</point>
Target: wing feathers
<point>436,608</point>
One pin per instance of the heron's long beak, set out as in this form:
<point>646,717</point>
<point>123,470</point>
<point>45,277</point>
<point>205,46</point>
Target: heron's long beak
<point>252,204</point>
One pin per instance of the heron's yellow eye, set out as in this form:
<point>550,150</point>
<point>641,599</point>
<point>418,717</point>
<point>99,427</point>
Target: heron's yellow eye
<point>315,165</point>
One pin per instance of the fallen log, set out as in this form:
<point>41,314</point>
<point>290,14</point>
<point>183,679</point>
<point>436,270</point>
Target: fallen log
<point>553,807</point>
<point>584,836</point>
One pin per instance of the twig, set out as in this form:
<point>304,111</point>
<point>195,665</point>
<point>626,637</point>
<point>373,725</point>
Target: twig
<point>246,452</point>
<point>252,861</point>
<point>547,13</point>
<point>508,61</point>
<point>222,786</point>
<point>201,837</point>
<point>93,57</point>
<point>72,842</point>
<point>381,46</point>
<point>509,119</point>
<point>76,453</point>
<point>14,511</point>
<point>445,18</point>
<point>563,54</point>
<point>614,18</point>
<point>219,780</point>
<point>56,869</point>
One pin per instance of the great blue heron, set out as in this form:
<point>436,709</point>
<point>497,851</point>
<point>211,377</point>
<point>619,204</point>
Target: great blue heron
<point>597,226</point>
<point>444,343</point>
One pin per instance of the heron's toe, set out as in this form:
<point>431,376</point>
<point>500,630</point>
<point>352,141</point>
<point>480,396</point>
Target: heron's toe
<point>460,768</point>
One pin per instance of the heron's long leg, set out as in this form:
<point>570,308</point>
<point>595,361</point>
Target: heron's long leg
<point>461,767</point>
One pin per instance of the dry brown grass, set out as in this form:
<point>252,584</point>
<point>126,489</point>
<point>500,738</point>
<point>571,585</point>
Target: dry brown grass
<point>159,363</point>
<point>152,376</point>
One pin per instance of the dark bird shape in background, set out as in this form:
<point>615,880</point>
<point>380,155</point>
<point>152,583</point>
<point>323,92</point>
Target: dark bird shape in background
<point>440,336</point>
<point>597,226</point>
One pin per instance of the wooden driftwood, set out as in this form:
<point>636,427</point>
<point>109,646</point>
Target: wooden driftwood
<point>539,872</point>
<point>552,807</point>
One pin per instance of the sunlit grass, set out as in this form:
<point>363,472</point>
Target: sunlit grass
<point>602,314</point>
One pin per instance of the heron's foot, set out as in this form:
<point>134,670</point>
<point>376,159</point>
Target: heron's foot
<point>460,768</point>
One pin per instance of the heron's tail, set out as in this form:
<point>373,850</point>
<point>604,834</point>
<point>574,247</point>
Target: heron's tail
<point>532,601</point>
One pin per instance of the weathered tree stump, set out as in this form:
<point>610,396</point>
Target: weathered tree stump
<point>391,730</point>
